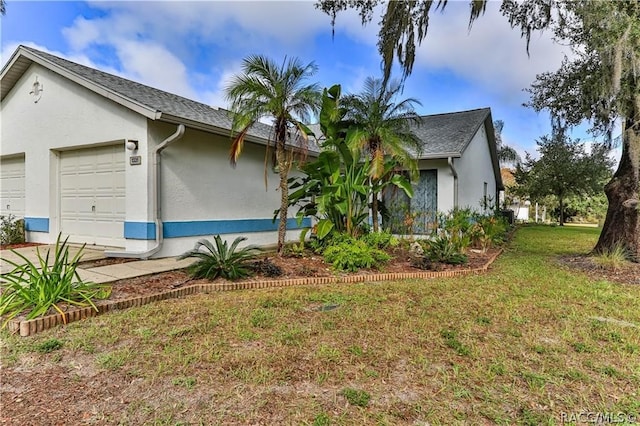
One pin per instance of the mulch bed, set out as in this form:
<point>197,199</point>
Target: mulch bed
<point>627,274</point>
<point>20,245</point>
<point>292,267</point>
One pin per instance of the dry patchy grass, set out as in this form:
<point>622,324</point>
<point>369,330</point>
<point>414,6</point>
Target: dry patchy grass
<point>520,345</point>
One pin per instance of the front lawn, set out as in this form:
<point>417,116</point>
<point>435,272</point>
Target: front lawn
<point>529,342</point>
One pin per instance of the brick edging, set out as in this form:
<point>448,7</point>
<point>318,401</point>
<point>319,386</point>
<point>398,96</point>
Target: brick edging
<point>30,327</point>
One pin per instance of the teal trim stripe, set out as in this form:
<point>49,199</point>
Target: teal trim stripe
<point>214,227</point>
<point>36,224</point>
<point>140,230</point>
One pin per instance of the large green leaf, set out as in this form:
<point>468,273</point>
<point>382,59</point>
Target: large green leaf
<point>324,227</point>
<point>403,183</point>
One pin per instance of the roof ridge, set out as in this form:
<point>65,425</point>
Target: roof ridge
<point>456,112</point>
<point>44,55</point>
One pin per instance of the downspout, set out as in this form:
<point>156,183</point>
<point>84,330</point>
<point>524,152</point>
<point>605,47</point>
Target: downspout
<point>455,181</point>
<point>155,193</point>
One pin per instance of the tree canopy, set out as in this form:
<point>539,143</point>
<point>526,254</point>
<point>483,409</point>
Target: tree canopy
<point>599,82</point>
<point>385,133</point>
<point>265,89</point>
<point>564,169</point>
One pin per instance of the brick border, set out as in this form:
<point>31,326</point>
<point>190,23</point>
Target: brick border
<point>29,327</point>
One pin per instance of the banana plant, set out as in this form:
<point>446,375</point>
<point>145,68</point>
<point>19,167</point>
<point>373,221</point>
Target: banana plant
<point>335,189</point>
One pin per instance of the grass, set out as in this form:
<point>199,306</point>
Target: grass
<point>614,259</point>
<point>518,345</point>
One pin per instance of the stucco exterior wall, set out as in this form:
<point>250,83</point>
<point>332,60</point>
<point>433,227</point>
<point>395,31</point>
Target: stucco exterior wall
<point>474,170</point>
<point>202,195</point>
<point>67,116</point>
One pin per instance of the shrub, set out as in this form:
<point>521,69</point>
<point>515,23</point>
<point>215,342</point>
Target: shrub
<point>488,232</point>
<point>221,260</point>
<point>266,267</point>
<point>443,249</point>
<point>47,285</point>
<point>458,225</point>
<point>351,255</point>
<point>381,240</point>
<point>11,230</point>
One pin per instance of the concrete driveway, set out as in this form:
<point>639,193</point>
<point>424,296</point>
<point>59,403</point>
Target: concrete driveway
<point>98,274</point>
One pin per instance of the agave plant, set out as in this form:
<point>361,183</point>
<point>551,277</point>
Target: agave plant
<point>45,285</point>
<point>220,259</point>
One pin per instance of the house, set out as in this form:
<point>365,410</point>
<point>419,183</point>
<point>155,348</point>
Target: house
<point>458,166</point>
<point>107,161</point>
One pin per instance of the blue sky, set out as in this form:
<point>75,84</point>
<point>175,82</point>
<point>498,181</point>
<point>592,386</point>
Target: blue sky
<point>193,48</point>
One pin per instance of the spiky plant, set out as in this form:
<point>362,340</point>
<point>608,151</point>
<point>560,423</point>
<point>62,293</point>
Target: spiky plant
<point>218,259</point>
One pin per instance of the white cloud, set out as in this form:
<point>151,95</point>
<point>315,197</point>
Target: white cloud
<point>491,54</point>
<point>217,97</point>
<point>154,65</point>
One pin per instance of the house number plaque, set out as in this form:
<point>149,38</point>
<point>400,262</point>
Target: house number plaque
<point>135,160</point>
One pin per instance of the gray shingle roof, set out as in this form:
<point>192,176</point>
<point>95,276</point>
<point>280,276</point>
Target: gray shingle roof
<point>168,106</point>
<point>448,134</point>
<point>442,135</point>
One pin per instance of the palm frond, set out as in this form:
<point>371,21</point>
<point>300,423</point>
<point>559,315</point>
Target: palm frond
<point>236,146</point>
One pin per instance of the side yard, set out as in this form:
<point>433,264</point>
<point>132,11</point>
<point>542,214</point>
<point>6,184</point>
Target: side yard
<point>531,342</point>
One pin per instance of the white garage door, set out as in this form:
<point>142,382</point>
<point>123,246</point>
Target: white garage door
<point>92,195</point>
<point>12,186</point>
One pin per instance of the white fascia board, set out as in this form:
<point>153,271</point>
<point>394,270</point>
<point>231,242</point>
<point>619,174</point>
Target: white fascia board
<point>440,156</point>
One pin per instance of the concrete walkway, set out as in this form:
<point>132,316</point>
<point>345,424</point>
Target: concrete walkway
<point>98,274</point>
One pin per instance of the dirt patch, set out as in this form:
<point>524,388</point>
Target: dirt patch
<point>629,273</point>
<point>105,262</point>
<point>17,246</point>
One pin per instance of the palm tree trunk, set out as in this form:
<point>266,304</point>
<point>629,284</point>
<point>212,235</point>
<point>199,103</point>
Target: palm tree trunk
<point>622,223</point>
<point>284,202</point>
<point>283,170</point>
<point>374,211</point>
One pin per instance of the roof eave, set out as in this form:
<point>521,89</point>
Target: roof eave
<point>493,150</point>
<point>440,156</point>
<point>109,94</point>
<point>221,131</point>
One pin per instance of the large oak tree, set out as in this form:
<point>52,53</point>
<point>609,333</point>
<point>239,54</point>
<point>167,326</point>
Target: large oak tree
<point>599,83</point>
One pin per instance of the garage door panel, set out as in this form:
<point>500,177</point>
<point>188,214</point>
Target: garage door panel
<point>92,206</point>
<point>12,174</point>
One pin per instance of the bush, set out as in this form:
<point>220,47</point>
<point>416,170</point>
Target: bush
<point>266,267</point>
<point>444,250</point>
<point>458,225</point>
<point>47,285</point>
<point>488,232</point>
<point>11,230</point>
<point>351,254</point>
<point>220,260</point>
<point>381,240</point>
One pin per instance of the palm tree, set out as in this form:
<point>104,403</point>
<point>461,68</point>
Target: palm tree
<point>265,89</point>
<point>506,154</point>
<point>3,8</point>
<point>385,131</point>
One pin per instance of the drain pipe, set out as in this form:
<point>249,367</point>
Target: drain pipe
<point>455,181</point>
<point>155,192</point>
